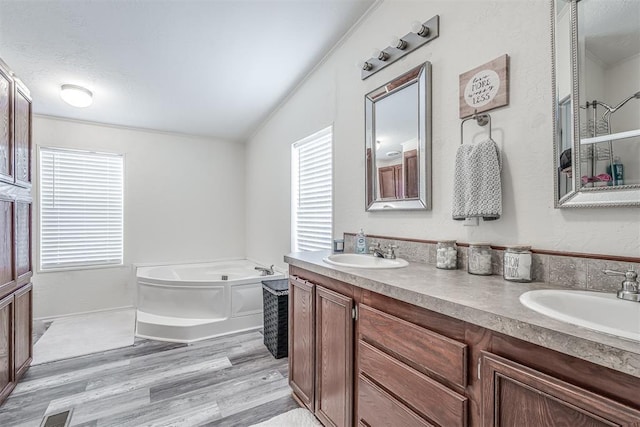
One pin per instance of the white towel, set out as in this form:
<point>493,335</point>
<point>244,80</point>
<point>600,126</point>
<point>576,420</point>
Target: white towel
<point>477,189</point>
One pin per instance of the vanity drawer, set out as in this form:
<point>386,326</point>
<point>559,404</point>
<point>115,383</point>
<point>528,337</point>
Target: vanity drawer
<point>429,350</point>
<point>378,408</point>
<point>425,395</point>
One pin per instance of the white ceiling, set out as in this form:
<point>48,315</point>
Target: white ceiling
<point>611,28</point>
<point>214,68</point>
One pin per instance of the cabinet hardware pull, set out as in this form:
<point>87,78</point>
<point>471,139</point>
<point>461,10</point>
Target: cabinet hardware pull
<point>479,362</point>
<point>354,313</point>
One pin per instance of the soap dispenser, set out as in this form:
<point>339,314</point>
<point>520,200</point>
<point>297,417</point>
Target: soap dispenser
<point>361,242</point>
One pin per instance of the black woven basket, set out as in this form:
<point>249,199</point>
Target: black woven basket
<point>275,295</point>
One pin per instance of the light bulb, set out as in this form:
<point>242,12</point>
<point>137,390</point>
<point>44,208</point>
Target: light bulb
<point>365,66</point>
<point>380,55</point>
<point>398,43</point>
<point>419,28</point>
<point>76,96</point>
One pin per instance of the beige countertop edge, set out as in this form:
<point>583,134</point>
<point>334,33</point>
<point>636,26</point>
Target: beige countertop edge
<point>501,313</point>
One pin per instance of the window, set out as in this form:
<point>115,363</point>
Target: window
<point>80,208</point>
<point>311,192</point>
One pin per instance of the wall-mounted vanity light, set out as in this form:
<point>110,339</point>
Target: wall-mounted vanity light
<point>421,34</point>
<point>398,43</point>
<point>380,55</point>
<point>76,96</point>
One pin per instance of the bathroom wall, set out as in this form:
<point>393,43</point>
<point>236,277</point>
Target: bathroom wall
<point>621,81</point>
<point>472,33</point>
<point>183,202</point>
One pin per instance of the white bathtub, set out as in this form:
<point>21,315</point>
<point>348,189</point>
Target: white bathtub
<point>191,302</point>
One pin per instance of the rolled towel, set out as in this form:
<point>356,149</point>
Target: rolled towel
<point>477,188</point>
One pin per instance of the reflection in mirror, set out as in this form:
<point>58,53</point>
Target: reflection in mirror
<point>397,143</point>
<point>597,102</point>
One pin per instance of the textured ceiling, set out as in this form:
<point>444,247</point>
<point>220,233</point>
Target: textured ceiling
<point>214,68</point>
<point>611,28</point>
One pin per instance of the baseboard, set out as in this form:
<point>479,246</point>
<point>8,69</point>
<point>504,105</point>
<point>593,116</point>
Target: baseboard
<point>81,313</point>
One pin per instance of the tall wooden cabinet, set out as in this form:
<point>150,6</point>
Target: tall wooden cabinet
<point>16,315</point>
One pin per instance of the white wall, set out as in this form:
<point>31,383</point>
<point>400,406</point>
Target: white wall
<point>472,33</point>
<point>184,202</point>
<point>621,81</point>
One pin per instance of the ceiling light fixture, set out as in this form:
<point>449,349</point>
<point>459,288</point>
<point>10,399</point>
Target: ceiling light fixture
<point>76,96</point>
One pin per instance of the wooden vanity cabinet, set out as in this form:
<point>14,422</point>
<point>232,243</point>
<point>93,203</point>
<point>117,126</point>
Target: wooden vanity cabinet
<point>415,367</point>
<point>514,394</point>
<point>404,367</point>
<point>321,349</point>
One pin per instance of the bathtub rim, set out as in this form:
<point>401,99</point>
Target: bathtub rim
<point>152,281</point>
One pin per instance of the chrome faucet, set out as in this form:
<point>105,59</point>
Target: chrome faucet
<point>630,288</point>
<point>265,271</point>
<point>376,251</point>
<point>388,253</point>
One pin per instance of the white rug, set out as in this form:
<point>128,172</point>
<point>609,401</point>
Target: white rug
<point>295,418</point>
<point>85,334</point>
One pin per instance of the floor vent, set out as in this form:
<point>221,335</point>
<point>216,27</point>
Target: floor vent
<point>60,419</point>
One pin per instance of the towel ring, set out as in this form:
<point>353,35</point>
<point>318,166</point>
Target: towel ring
<point>482,120</point>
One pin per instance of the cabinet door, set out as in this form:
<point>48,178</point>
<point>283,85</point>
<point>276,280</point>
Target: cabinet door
<point>6,245</point>
<point>6,139</point>
<point>23,242</point>
<point>387,181</point>
<point>23,349</point>
<point>411,174</point>
<point>334,358</point>
<point>22,137</point>
<point>6,347</point>
<point>515,395</point>
<point>301,340</point>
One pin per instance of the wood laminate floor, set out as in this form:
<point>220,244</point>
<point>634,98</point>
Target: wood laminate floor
<point>227,381</point>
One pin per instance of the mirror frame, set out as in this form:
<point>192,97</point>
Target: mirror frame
<point>423,201</point>
<point>623,195</point>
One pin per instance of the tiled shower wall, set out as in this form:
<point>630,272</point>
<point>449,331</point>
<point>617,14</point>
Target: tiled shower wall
<point>559,270</point>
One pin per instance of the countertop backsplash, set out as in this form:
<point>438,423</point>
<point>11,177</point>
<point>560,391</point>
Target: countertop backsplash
<point>577,271</point>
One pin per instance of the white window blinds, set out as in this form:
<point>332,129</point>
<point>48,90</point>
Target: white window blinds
<point>312,192</point>
<point>81,220</point>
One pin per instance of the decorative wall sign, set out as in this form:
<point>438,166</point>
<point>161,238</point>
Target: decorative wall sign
<point>485,87</point>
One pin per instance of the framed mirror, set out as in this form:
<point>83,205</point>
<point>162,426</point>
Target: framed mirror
<point>596,93</point>
<point>398,143</point>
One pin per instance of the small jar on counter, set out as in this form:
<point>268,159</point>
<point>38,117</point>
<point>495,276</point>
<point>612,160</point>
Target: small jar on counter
<point>479,259</point>
<point>447,255</point>
<point>516,263</point>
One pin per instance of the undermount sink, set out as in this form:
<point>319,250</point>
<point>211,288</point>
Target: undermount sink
<point>364,261</point>
<point>594,310</point>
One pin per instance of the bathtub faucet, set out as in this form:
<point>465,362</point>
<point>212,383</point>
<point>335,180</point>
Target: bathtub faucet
<point>265,271</point>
